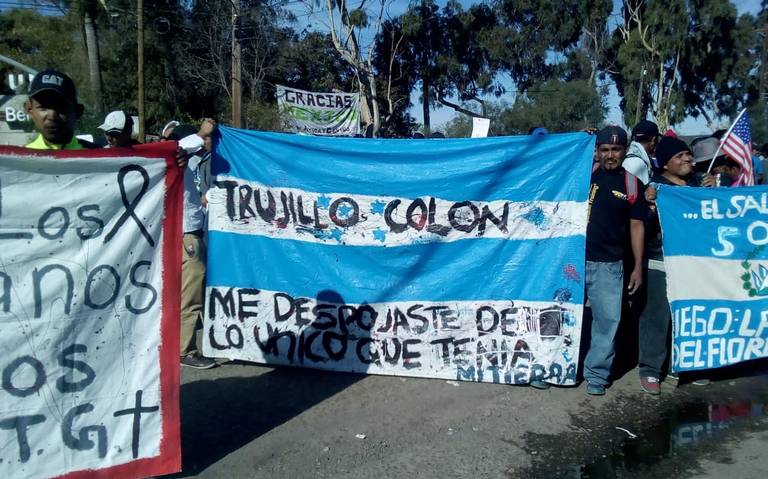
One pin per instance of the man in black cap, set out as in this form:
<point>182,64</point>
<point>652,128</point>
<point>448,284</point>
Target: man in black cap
<point>53,108</point>
<point>676,169</point>
<point>645,136</point>
<point>617,211</point>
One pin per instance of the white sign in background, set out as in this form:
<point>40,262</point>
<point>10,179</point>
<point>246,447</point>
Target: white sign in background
<point>80,309</point>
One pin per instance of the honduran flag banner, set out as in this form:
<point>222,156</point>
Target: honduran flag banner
<point>89,312</point>
<point>716,260</point>
<point>457,259</point>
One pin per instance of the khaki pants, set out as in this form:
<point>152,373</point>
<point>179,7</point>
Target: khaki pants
<point>192,290</point>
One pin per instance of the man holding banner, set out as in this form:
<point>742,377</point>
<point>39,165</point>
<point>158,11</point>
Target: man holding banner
<point>676,162</point>
<point>718,284</point>
<point>89,337</point>
<point>617,209</point>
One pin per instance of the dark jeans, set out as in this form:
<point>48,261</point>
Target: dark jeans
<point>654,326</point>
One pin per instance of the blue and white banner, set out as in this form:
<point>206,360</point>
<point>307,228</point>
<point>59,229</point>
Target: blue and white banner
<point>457,259</point>
<point>716,259</point>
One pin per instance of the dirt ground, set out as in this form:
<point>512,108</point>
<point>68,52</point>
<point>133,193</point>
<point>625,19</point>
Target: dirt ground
<point>247,421</point>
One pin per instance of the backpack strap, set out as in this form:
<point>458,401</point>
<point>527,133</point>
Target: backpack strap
<point>630,183</point>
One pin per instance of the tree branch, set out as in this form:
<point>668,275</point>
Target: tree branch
<point>459,108</point>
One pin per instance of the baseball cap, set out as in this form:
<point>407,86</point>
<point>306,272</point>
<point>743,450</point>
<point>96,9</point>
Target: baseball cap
<point>55,81</point>
<point>612,135</point>
<point>704,150</point>
<point>645,130</point>
<point>117,122</point>
<point>170,124</point>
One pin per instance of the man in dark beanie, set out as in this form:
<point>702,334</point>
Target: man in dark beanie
<point>676,169</point>
<point>617,210</point>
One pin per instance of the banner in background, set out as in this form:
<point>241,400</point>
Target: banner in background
<point>89,312</point>
<point>716,260</point>
<point>456,259</point>
<point>325,114</point>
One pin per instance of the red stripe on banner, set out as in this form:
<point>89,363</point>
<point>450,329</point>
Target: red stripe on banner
<point>170,447</point>
<point>160,149</point>
<point>169,459</point>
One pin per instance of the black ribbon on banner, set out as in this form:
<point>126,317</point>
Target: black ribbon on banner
<point>130,206</point>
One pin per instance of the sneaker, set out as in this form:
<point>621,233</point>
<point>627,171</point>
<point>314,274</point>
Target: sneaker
<point>701,382</point>
<point>595,389</point>
<point>539,384</point>
<point>650,385</point>
<point>197,362</point>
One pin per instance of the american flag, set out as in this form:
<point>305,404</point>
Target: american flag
<point>737,144</point>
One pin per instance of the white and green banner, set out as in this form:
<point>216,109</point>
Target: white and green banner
<point>331,114</point>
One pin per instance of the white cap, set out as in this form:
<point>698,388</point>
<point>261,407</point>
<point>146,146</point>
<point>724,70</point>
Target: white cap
<point>116,121</point>
<point>170,124</point>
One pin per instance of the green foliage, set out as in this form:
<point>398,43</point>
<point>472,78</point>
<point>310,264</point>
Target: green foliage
<point>528,32</point>
<point>41,42</point>
<point>258,115</point>
<point>698,56</point>
<point>552,50</point>
<point>461,125</point>
<point>557,105</point>
<point>358,18</point>
<point>310,62</point>
<point>758,117</point>
<point>394,64</point>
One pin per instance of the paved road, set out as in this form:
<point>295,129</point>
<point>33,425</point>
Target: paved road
<point>246,421</point>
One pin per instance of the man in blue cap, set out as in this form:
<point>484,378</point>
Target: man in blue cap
<point>617,211</point>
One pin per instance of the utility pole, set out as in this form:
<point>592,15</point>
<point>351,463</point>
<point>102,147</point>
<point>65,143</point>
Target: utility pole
<point>140,70</point>
<point>237,94</point>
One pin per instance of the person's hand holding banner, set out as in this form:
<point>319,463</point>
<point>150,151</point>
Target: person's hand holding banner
<point>89,312</point>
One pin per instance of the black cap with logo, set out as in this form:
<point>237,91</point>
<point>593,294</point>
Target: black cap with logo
<point>612,135</point>
<point>54,81</point>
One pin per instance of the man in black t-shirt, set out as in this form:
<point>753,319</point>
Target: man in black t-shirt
<point>617,210</point>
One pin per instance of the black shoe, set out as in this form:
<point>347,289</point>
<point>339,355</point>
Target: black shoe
<point>539,384</point>
<point>197,362</point>
<point>595,389</point>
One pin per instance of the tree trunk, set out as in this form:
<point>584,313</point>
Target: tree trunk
<point>365,106</point>
<point>662,115</point>
<point>639,107</point>
<point>94,67</point>
<point>425,104</point>
<point>376,114</point>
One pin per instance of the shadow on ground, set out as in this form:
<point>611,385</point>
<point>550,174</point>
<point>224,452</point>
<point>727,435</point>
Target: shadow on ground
<point>222,415</point>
